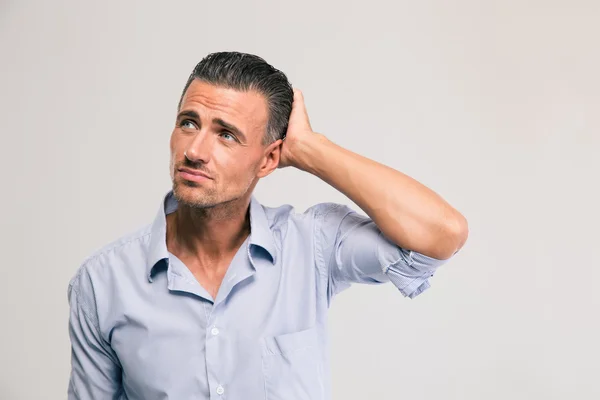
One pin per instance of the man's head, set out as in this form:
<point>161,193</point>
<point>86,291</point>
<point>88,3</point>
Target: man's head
<point>232,117</point>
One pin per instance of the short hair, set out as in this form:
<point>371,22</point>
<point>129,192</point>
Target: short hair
<point>244,72</point>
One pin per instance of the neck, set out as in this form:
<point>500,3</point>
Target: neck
<point>210,234</point>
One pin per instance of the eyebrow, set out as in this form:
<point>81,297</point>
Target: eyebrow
<point>194,115</point>
<point>232,128</point>
<point>189,113</point>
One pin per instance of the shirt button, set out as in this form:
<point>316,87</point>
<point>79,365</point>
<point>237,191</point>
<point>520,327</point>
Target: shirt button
<point>220,390</point>
<point>215,332</point>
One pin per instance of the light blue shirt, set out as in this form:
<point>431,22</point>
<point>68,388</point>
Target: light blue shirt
<point>142,327</point>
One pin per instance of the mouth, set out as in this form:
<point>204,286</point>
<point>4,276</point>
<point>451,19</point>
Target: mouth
<point>193,175</point>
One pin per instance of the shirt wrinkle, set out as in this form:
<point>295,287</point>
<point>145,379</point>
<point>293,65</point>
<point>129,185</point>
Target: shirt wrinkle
<point>172,339</point>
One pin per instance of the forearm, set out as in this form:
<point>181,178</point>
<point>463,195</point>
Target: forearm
<point>407,212</point>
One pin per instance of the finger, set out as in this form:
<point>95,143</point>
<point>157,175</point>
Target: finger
<point>299,108</point>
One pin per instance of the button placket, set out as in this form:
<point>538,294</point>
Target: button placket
<point>212,346</point>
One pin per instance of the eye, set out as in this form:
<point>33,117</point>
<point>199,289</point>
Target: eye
<point>228,136</point>
<point>187,125</point>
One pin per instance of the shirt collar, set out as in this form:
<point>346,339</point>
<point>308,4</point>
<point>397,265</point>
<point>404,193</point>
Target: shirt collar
<point>260,231</point>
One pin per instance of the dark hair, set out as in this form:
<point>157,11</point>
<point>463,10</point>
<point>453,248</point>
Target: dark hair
<point>243,72</point>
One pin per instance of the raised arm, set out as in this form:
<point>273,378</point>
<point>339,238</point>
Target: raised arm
<point>406,211</point>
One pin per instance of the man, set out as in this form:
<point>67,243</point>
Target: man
<point>223,298</point>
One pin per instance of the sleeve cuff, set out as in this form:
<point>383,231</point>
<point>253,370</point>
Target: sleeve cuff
<point>411,272</point>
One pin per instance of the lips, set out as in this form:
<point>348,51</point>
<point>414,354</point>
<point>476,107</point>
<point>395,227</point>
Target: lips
<point>193,175</point>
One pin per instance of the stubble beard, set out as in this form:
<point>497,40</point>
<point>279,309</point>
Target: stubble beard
<point>192,196</point>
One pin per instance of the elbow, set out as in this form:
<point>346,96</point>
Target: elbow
<point>458,232</point>
<point>454,237</point>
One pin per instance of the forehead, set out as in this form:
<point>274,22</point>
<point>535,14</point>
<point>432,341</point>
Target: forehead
<point>246,110</point>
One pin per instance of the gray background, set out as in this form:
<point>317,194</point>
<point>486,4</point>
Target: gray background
<point>494,105</point>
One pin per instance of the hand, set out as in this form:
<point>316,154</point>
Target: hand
<point>298,130</point>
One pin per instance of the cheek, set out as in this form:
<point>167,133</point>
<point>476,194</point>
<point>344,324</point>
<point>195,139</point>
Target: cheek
<point>251,166</point>
<point>240,168</point>
<point>172,139</point>
<point>177,144</point>
<point>172,166</point>
<point>179,141</point>
<point>174,145</point>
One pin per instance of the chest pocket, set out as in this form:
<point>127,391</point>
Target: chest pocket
<point>292,366</point>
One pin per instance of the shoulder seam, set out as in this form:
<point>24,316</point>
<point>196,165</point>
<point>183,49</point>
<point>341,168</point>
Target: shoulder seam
<point>112,247</point>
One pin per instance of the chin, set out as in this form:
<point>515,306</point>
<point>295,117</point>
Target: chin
<point>192,195</point>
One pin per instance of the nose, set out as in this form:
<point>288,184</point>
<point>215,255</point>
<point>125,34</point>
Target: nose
<point>199,148</point>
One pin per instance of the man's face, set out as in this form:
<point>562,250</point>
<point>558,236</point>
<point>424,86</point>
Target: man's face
<point>221,132</point>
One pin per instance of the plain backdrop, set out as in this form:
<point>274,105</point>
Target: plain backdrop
<point>495,105</point>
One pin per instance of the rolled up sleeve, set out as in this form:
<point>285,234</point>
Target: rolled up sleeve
<point>352,249</point>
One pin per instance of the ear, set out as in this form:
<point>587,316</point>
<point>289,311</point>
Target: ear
<point>270,161</point>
